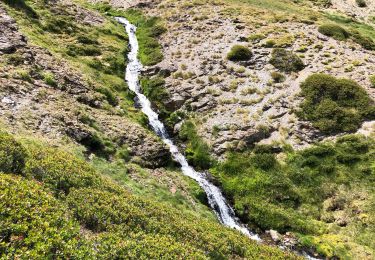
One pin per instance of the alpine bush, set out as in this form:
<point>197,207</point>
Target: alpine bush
<point>334,31</point>
<point>335,105</point>
<point>286,61</point>
<point>239,53</point>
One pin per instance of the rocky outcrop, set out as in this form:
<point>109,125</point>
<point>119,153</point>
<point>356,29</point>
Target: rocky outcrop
<point>29,104</point>
<point>10,38</point>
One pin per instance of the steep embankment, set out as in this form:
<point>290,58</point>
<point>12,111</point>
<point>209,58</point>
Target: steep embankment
<point>240,72</point>
<point>56,205</point>
<point>61,74</point>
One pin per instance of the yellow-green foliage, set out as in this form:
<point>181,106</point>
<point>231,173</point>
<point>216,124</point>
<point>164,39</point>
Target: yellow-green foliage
<point>33,224</point>
<point>43,216</point>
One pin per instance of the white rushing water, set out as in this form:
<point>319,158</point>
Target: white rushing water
<point>216,199</point>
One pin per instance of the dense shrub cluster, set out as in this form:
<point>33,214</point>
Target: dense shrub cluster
<point>33,224</point>
<point>12,154</point>
<point>335,31</point>
<point>286,61</point>
<point>291,196</point>
<point>42,216</point>
<point>239,53</point>
<point>339,33</point>
<point>335,105</point>
<point>197,151</point>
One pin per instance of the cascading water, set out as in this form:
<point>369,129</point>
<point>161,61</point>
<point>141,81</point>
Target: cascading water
<point>216,199</point>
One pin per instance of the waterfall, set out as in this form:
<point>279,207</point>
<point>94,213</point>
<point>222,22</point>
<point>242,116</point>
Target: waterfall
<point>216,199</point>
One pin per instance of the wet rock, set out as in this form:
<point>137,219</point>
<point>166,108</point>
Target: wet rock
<point>276,237</point>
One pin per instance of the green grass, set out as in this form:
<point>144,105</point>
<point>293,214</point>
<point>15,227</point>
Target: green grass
<point>97,51</point>
<point>61,207</point>
<point>197,151</point>
<point>324,193</point>
<point>148,30</point>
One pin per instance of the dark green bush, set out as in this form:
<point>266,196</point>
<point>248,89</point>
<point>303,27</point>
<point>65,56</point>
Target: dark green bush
<point>197,151</point>
<point>277,77</point>
<point>372,81</point>
<point>83,50</point>
<point>239,53</point>
<point>110,95</point>
<point>59,171</point>
<point>87,39</point>
<point>334,105</point>
<point>12,154</point>
<point>286,61</point>
<point>59,24</point>
<point>335,31</point>
<point>99,145</point>
<point>361,3</point>
<point>366,42</point>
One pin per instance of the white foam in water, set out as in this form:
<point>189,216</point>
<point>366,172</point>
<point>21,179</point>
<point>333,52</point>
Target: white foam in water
<point>216,199</point>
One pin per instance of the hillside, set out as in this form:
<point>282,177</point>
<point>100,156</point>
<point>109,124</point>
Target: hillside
<point>272,101</point>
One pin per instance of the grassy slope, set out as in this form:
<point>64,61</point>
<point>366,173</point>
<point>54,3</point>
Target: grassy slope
<point>324,193</point>
<point>71,211</point>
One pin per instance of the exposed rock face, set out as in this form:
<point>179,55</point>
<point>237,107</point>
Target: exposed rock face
<point>10,38</point>
<point>236,102</point>
<point>29,104</point>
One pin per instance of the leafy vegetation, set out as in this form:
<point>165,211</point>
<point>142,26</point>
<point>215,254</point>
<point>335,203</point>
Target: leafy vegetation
<point>335,31</point>
<point>286,61</point>
<point>57,195</point>
<point>239,53</point>
<point>153,88</point>
<point>361,3</point>
<point>335,105</point>
<point>197,151</point>
<point>314,193</point>
<point>148,30</point>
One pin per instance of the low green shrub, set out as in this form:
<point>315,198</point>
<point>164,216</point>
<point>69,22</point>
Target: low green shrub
<point>83,50</point>
<point>59,170</point>
<point>335,31</point>
<point>334,105</point>
<point>87,39</point>
<point>59,24</point>
<point>109,94</point>
<point>372,81</point>
<point>153,88</point>
<point>98,144</point>
<point>239,53</point>
<point>366,42</point>
<point>277,77</point>
<point>361,3</point>
<point>49,79</point>
<point>286,61</point>
<point>33,224</point>
<point>197,151</point>
<point>12,154</point>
